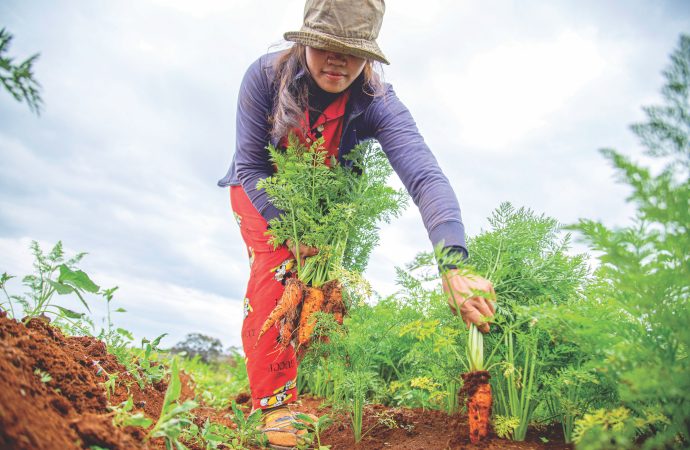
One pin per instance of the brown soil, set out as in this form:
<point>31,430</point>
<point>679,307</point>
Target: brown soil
<point>67,412</point>
<point>471,382</point>
<point>416,429</point>
<point>70,411</point>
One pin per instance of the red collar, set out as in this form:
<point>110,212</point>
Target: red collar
<point>333,111</point>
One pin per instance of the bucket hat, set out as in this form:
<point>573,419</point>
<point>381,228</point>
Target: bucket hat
<point>343,26</point>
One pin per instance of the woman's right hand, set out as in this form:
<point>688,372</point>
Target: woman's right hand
<point>304,250</point>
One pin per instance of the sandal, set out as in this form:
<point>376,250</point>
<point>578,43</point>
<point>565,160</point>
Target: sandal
<point>279,427</point>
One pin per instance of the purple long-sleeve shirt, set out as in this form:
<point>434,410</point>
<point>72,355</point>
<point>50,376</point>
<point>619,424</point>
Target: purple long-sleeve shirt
<point>381,117</point>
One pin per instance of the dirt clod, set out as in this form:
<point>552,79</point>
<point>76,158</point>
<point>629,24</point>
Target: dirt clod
<point>61,412</point>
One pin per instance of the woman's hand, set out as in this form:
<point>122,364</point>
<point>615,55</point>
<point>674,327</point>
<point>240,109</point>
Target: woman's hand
<point>304,250</point>
<point>472,307</point>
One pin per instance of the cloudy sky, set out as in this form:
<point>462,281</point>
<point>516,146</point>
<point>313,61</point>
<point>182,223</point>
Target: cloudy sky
<point>514,98</point>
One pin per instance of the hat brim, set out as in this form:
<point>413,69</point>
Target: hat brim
<point>362,48</point>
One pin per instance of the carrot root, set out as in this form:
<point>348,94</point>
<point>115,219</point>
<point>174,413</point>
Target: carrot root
<point>479,410</point>
<point>313,302</point>
<point>477,390</point>
<point>333,292</point>
<point>296,307</point>
<point>288,303</point>
<point>286,332</point>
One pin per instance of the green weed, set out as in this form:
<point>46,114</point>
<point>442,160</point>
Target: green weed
<point>53,274</point>
<point>174,416</point>
<point>314,429</point>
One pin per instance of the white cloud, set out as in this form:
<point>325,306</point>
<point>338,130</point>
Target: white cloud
<point>516,86</point>
<point>153,307</point>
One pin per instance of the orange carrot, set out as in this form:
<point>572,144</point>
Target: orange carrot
<point>333,293</point>
<point>288,327</point>
<point>289,301</point>
<point>478,391</point>
<point>479,410</point>
<point>286,333</point>
<point>313,301</point>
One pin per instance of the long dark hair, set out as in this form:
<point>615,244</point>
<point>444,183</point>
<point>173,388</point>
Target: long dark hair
<point>292,93</point>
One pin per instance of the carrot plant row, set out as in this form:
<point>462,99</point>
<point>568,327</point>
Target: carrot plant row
<point>601,353</point>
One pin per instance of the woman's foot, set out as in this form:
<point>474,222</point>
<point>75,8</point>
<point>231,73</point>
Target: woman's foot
<point>278,424</point>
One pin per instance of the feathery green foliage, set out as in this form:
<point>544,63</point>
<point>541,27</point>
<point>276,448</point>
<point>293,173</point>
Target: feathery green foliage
<point>643,288</point>
<point>18,79</point>
<point>526,258</point>
<point>53,274</point>
<point>335,209</point>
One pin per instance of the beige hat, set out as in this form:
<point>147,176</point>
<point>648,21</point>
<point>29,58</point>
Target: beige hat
<point>343,26</point>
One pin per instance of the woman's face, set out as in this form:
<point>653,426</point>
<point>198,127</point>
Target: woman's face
<point>333,72</point>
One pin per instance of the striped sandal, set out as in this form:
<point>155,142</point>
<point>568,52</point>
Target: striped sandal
<point>279,428</point>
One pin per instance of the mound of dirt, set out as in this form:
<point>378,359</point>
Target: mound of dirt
<point>67,409</point>
<point>51,394</point>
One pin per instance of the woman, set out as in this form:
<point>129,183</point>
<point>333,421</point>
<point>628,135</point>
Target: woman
<point>325,86</point>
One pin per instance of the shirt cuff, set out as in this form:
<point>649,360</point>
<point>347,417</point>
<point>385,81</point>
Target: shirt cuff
<point>448,234</point>
<point>454,254</point>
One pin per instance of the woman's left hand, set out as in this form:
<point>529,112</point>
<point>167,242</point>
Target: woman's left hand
<point>473,308</point>
<point>304,250</point>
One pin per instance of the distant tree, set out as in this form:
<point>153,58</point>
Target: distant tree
<point>233,350</point>
<point>233,355</point>
<point>18,79</point>
<point>207,347</point>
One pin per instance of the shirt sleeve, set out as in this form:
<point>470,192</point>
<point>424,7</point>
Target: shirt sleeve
<point>418,169</point>
<point>252,163</point>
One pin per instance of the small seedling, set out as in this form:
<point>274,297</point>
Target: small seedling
<point>44,376</point>
<point>248,428</point>
<point>314,429</point>
<point>122,417</point>
<point>174,416</point>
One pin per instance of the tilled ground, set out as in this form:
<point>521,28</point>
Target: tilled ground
<point>70,410</point>
<point>67,412</point>
<point>416,429</point>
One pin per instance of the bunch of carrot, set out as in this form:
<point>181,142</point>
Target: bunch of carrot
<point>333,205</point>
<point>297,306</point>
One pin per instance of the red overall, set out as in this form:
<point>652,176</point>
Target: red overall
<point>272,372</point>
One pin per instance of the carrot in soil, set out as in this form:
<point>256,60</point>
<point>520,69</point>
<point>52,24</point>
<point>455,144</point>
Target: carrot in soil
<point>288,303</point>
<point>477,390</point>
<point>313,302</point>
